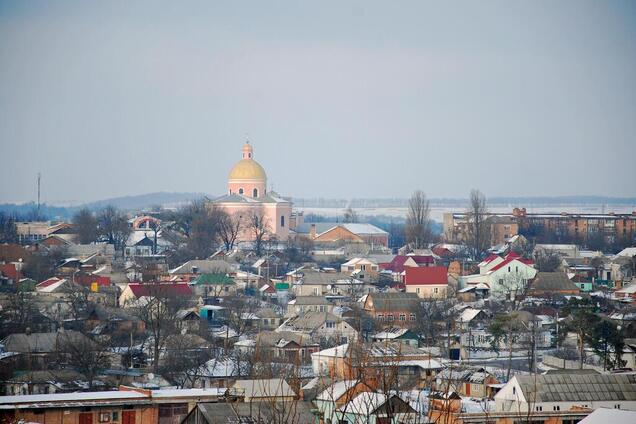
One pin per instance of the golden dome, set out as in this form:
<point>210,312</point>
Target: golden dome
<point>247,169</point>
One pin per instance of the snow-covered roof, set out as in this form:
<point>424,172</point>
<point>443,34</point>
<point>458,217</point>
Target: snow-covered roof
<point>336,390</point>
<point>69,397</point>
<point>364,229</point>
<point>365,403</point>
<point>175,393</point>
<point>336,352</point>
<point>628,252</point>
<point>468,314</point>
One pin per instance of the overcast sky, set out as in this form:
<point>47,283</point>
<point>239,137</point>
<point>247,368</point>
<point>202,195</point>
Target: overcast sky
<point>340,99</point>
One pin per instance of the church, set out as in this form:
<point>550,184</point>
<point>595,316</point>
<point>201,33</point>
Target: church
<point>247,195</point>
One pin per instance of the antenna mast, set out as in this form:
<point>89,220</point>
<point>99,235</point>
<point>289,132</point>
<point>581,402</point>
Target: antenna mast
<point>39,178</point>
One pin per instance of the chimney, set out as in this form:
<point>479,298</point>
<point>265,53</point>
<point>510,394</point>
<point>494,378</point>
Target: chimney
<point>312,232</point>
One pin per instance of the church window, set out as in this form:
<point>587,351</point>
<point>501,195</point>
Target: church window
<point>240,191</point>
<point>255,193</point>
<point>282,220</point>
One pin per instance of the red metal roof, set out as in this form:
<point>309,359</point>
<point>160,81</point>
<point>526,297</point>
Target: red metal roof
<point>512,256</point>
<point>426,275</point>
<point>397,264</point>
<point>10,271</point>
<point>169,289</point>
<point>49,282</point>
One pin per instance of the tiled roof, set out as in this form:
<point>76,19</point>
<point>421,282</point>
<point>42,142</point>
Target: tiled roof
<point>426,275</point>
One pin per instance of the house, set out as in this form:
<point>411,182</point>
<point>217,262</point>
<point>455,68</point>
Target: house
<point>471,317</point>
<point>327,283</point>
<point>321,327</point>
<point>128,405</point>
<point>427,282</point>
<point>564,391</point>
<point>361,268</point>
<point>293,347</point>
<point>134,292</point>
<point>336,395</point>
<point>213,285</point>
<point>548,284</point>
<point>256,412</point>
<point>329,233</point>
<point>43,382</point>
<point>393,309</point>
<point>303,304</point>
<point>10,273</point>
<point>42,349</point>
<point>505,276</point>
<point>191,269</point>
<point>103,319</point>
<point>370,362</point>
<point>375,408</point>
<point>397,334</point>
<point>268,319</point>
<point>400,263</point>
<point>54,285</point>
<point>217,372</point>
<point>607,415</point>
<point>473,293</point>
<point>474,382</point>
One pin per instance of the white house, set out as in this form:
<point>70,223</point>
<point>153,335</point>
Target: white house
<point>561,392</point>
<point>506,276</point>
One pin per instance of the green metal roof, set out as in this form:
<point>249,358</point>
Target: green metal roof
<point>281,286</point>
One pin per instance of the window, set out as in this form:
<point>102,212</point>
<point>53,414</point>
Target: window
<point>417,290</point>
<point>240,191</point>
<point>330,324</point>
<point>514,390</point>
<point>617,406</point>
<point>381,317</point>
<point>391,317</point>
<point>556,408</point>
<point>508,269</point>
<point>282,220</point>
<point>435,290</point>
<point>412,317</point>
<point>402,317</point>
<point>539,408</point>
<point>255,192</point>
<point>115,415</point>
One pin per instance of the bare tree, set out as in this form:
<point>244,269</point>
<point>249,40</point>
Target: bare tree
<point>159,314</point>
<point>8,230</point>
<point>85,224</point>
<point>478,225</point>
<point>548,261</point>
<point>230,226</point>
<point>350,216</point>
<point>418,223</point>
<point>113,226</point>
<point>258,225</point>
<point>88,356</point>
